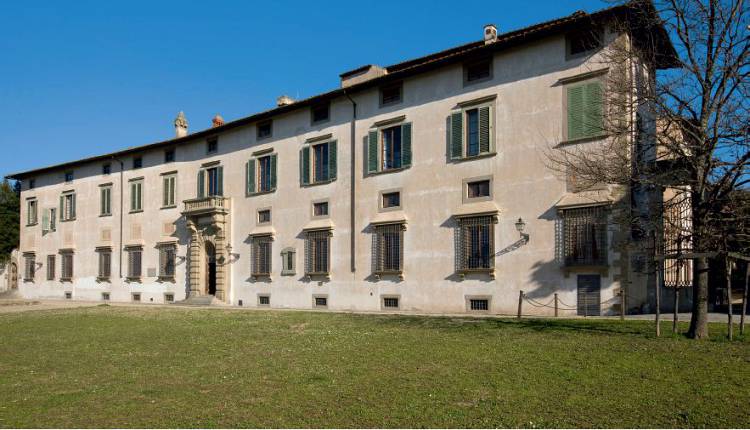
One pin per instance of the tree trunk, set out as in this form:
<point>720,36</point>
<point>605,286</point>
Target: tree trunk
<point>699,319</point>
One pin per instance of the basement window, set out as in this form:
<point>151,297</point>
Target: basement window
<point>320,301</point>
<point>68,295</point>
<point>105,297</point>
<point>264,300</point>
<point>169,298</point>
<point>390,302</point>
<point>479,304</point>
<point>136,297</point>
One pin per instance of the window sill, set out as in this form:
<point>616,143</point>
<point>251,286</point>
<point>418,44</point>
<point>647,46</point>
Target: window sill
<point>169,279</point>
<point>386,171</point>
<point>325,275</point>
<point>32,225</point>
<point>66,280</point>
<point>473,157</point>
<point>103,279</point>
<point>288,273</point>
<point>483,271</point>
<point>257,276</point>
<point>104,215</point>
<point>313,184</point>
<point>136,211</point>
<point>582,140</point>
<point>67,220</point>
<point>381,273</point>
<point>168,207</point>
<point>260,193</point>
<point>134,279</point>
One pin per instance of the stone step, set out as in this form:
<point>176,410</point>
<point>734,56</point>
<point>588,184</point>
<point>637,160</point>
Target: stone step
<point>207,300</point>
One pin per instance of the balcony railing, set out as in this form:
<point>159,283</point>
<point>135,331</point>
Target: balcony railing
<point>206,204</point>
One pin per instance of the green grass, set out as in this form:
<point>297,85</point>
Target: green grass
<point>172,367</point>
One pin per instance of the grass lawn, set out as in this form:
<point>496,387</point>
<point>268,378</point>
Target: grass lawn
<point>111,366</point>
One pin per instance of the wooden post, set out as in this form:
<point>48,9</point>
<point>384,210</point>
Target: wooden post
<point>744,298</point>
<point>729,299</point>
<point>658,298</point>
<point>676,308</point>
<point>556,305</point>
<point>622,304</point>
<point>520,303</point>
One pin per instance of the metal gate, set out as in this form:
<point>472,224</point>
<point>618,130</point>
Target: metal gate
<point>589,295</point>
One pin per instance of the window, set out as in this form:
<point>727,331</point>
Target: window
<point>69,176</point>
<point>390,302</point>
<point>68,295</point>
<point>320,301</point>
<point>479,304</point>
<point>261,247</point>
<point>317,252</point>
<point>31,212</point>
<point>49,220</point>
<point>264,216</point>
<point>169,156</point>
<point>32,184</point>
<point>389,148</point>
<point>585,102</point>
<point>212,146</point>
<point>389,248</point>
<point>471,132</point>
<point>167,256</point>
<point>320,209</point>
<point>50,267</point>
<point>29,267</point>
<point>67,265</point>
<point>478,71</point>
<point>318,163</point>
<point>169,298</point>
<point>169,189</point>
<point>105,200</point>
<point>476,244</point>
<point>288,261</point>
<point>135,254</point>
<point>583,41</point>
<point>106,169</point>
<point>105,297</point>
<point>137,162</point>
<point>211,182</point>
<point>136,297</point>
<point>585,236</point>
<point>320,113</point>
<point>264,129</point>
<point>391,200</point>
<point>260,174</point>
<point>391,94</point>
<point>105,264</point>
<point>264,300</point>
<point>68,206</point>
<point>478,189</point>
<point>136,195</point>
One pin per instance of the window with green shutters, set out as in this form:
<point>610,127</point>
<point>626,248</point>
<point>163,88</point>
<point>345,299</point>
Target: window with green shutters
<point>471,132</point>
<point>68,206</point>
<point>585,110</point>
<point>211,182</point>
<point>318,163</point>
<point>169,191</point>
<point>136,195</point>
<point>105,200</point>
<point>389,148</point>
<point>260,174</point>
<point>31,211</point>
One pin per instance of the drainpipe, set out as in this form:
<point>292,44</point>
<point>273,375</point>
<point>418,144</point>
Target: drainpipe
<point>122,193</point>
<point>352,187</point>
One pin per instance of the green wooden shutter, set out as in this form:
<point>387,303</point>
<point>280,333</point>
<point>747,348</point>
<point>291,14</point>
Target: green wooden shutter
<point>45,220</point>
<point>220,180</point>
<point>62,208</point>
<point>201,184</point>
<point>575,112</point>
<point>304,165</point>
<point>133,192</point>
<point>406,144</point>
<point>165,192</point>
<point>332,160</point>
<point>593,109</point>
<point>485,136</point>
<point>372,152</point>
<point>273,171</point>
<point>457,134</point>
<point>250,176</point>
<point>73,206</point>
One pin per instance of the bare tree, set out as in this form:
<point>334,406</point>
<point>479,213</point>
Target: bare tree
<point>676,117</point>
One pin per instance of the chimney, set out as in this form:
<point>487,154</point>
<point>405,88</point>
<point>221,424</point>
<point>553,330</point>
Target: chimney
<point>284,101</point>
<point>217,121</point>
<point>180,125</point>
<point>361,74</point>
<point>490,34</point>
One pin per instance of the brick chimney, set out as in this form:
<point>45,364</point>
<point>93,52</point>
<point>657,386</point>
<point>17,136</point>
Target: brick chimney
<point>180,125</point>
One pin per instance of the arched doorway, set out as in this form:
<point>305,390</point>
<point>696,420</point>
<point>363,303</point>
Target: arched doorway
<point>210,269</point>
<point>13,276</point>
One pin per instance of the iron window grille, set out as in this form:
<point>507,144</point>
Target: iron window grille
<point>135,256</point>
<point>167,257</point>
<point>317,252</point>
<point>264,300</point>
<point>389,248</point>
<point>321,302</point>
<point>390,302</point>
<point>136,297</point>
<point>105,297</point>
<point>585,236</point>
<point>261,248</point>
<point>50,267</point>
<point>67,266</point>
<point>105,263</point>
<point>476,244</point>
<point>479,304</point>
<point>169,298</point>
<point>678,227</point>
<point>29,267</point>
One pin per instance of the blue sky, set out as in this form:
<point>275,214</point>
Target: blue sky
<point>84,78</point>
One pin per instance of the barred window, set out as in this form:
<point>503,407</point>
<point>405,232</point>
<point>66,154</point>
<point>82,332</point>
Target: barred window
<point>264,300</point>
<point>476,243</point>
<point>585,236</point>
<point>317,252</point>
<point>105,263</point>
<point>389,248</point>
<point>479,304</point>
<point>288,261</point>
<point>167,255</point>
<point>678,231</point>
<point>50,267</point>
<point>29,267</point>
<point>135,254</point>
<point>67,266</point>
<point>261,247</point>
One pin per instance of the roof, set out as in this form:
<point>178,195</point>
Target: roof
<point>666,57</point>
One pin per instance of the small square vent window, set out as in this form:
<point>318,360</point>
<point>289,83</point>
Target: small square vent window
<point>390,302</point>
<point>479,304</point>
<point>105,297</point>
<point>68,295</point>
<point>169,298</point>
<point>264,130</point>
<point>137,162</point>
<point>136,297</point>
<point>321,302</point>
<point>478,71</point>
<point>264,300</point>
